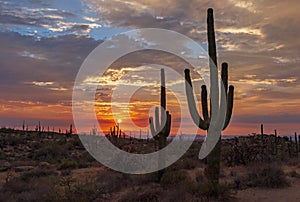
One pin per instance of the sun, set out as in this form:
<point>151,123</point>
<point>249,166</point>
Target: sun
<point>119,121</point>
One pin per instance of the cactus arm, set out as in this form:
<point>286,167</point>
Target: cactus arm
<point>162,99</point>
<point>191,102</point>
<point>157,124</point>
<point>204,104</point>
<point>230,99</point>
<point>229,95</point>
<point>153,132</point>
<point>168,125</point>
<point>224,76</point>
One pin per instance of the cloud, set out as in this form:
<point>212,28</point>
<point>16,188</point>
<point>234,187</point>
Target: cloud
<point>32,55</point>
<point>41,70</point>
<point>41,83</point>
<point>41,19</point>
<point>259,39</point>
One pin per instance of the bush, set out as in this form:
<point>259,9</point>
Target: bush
<point>37,174</point>
<point>14,140</point>
<point>50,152</point>
<point>173,178</point>
<point>31,186</point>
<point>185,163</point>
<point>70,164</point>
<point>268,177</point>
<point>221,192</point>
<point>145,196</point>
<point>294,174</point>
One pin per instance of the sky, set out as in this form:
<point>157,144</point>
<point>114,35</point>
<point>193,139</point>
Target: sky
<point>44,43</point>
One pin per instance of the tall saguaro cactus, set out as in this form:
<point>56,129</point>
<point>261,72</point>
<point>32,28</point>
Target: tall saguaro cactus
<point>162,127</point>
<point>212,171</point>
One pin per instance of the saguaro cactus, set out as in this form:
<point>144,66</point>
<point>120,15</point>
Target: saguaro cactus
<point>39,127</point>
<point>262,131</point>
<point>115,134</point>
<point>296,143</point>
<point>276,142</point>
<point>162,127</point>
<point>212,171</point>
<point>23,126</point>
<point>71,129</point>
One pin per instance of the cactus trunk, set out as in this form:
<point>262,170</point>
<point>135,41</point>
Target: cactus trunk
<point>276,142</point>
<point>262,131</point>
<point>296,144</point>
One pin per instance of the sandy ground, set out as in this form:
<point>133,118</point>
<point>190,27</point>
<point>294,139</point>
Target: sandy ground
<point>289,194</point>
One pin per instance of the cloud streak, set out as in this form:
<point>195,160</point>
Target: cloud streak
<point>44,43</point>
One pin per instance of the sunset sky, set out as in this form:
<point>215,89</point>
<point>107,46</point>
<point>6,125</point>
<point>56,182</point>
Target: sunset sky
<point>44,43</point>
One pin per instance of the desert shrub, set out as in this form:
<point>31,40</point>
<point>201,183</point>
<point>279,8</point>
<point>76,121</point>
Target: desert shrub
<point>268,177</point>
<point>84,192</point>
<point>185,163</point>
<point>49,152</point>
<point>171,178</point>
<point>67,172</point>
<point>86,157</point>
<point>294,174</point>
<point>14,140</point>
<point>2,155</point>
<point>112,181</point>
<point>74,191</point>
<point>36,145</point>
<point>140,180</point>
<point>76,142</point>
<point>282,155</point>
<point>69,164</point>
<point>144,196</point>
<point>221,192</point>
<point>295,162</point>
<point>30,186</point>
<point>37,173</point>
<point>83,164</point>
<point>23,163</point>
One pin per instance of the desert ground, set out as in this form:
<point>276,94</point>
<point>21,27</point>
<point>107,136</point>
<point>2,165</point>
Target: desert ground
<point>48,166</point>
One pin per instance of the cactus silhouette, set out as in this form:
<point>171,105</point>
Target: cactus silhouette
<point>39,127</point>
<point>212,171</point>
<point>115,134</point>
<point>296,143</point>
<point>23,126</point>
<point>162,127</point>
<point>262,131</point>
<point>71,129</point>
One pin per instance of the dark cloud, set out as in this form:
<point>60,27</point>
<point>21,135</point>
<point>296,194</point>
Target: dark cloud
<point>14,14</point>
<point>259,39</point>
<point>54,60</point>
<point>274,118</point>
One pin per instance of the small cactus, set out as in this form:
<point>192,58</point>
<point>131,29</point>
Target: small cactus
<point>115,134</point>
<point>262,131</point>
<point>276,141</point>
<point>71,129</point>
<point>23,126</point>
<point>299,143</point>
<point>39,127</point>
<point>296,143</point>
